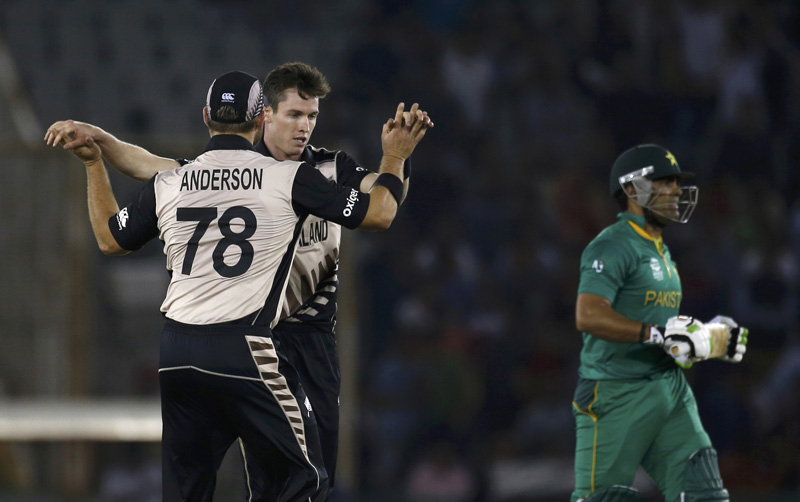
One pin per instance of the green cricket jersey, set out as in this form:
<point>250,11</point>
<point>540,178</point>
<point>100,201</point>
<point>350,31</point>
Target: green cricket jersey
<point>637,275</point>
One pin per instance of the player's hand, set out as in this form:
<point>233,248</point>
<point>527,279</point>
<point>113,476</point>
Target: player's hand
<point>421,115</point>
<point>730,338</point>
<point>89,152</point>
<point>70,133</point>
<point>407,117</point>
<point>402,133</point>
<point>687,340</point>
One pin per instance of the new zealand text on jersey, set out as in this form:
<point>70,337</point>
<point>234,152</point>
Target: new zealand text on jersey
<point>314,232</point>
<point>222,179</point>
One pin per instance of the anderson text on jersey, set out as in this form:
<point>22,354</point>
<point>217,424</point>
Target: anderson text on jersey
<point>222,179</point>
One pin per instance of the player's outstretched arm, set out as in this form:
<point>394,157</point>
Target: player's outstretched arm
<point>100,197</point>
<point>399,138</point>
<point>131,160</point>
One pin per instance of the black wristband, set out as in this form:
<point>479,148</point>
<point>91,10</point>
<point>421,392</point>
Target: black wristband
<point>642,332</point>
<point>407,169</point>
<point>393,184</point>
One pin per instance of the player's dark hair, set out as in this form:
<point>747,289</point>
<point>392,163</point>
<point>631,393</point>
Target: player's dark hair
<point>306,79</point>
<point>229,113</point>
<point>622,199</point>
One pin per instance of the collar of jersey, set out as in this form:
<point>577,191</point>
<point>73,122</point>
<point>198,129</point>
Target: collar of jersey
<point>637,222</point>
<point>307,156</point>
<point>228,142</point>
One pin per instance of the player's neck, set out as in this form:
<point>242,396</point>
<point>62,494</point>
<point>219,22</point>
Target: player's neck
<point>652,228</point>
<point>653,231</point>
<point>276,153</point>
<point>249,136</point>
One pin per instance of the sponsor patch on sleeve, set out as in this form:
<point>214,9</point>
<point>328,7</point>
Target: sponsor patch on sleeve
<point>122,218</point>
<point>351,202</point>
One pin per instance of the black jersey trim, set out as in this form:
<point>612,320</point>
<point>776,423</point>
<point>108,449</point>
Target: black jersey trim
<point>136,224</point>
<point>261,148</point>
<point>236,327</point>
<point>313,193</point>
<point>228,142</point>
<point>348,171</point>
<point>311,156</point>
<point>270,312</point>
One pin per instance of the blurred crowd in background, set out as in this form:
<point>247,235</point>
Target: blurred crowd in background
<point>468,321</point>
<point>468,352</point>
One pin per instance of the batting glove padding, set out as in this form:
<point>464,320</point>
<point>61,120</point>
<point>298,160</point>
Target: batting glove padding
<point>687,340</point>
<point>736,340</point>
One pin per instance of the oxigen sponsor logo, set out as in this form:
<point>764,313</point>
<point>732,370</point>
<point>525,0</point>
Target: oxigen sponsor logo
<point>351,202</point>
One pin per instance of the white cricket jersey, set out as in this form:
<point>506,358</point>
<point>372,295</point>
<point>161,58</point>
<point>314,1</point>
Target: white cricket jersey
<point>230,223</point>
<point>312,291</point>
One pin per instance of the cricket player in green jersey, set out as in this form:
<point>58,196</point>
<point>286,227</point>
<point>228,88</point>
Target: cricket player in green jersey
<point>633,405</point>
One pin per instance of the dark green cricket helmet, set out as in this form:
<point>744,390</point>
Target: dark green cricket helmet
<point>643,164</point>
<point>650,161</point>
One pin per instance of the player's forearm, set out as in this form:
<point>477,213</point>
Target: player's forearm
<point>131,160</point>
<point>102,206</point>
<point>383,204</point>
<point>381,212</point>
<point>392,164</point>
<point>594,315</point>
<point>369,180</point>
<point>617,330</point>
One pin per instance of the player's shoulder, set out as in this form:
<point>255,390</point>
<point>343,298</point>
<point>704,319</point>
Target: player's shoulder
<point>318,155</point>
<point>169,175</point>
<point>269,165</point>
<point>343,160</point>
<point>223,158</point>
<point>614,232</point>
<point>615,237</point>
<point>227,164</point>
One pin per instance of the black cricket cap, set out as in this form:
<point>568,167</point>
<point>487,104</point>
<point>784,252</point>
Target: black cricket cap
<point>238,90</point>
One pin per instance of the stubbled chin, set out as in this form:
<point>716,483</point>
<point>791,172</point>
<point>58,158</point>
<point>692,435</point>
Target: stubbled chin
<point>660,218</point>
<point>294,151</point>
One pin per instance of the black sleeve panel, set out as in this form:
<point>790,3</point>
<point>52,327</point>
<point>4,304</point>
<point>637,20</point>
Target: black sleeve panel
<point>313,193</point>
<point>135,224</point>
<point>348,171</point>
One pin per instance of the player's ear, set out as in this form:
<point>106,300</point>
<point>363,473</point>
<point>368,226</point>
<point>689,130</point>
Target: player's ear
<point>206,117</point>
<point>628,187</point>
<point>268,114</point>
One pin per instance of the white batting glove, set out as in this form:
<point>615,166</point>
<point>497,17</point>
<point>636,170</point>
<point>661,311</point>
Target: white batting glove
<point>729,338</point>
<point>687,340</point>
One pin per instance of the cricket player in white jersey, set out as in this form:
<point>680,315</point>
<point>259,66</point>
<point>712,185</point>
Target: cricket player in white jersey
<point>230,221</point>
<point>306,330</point>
